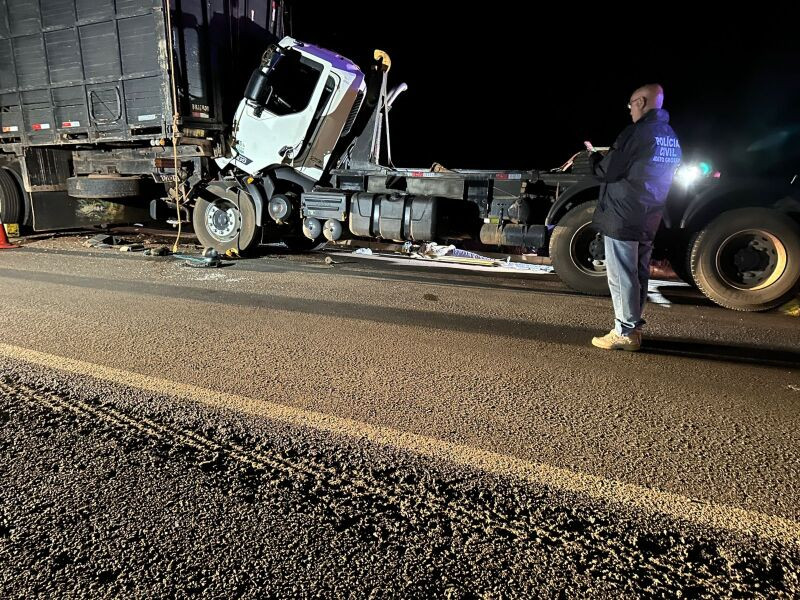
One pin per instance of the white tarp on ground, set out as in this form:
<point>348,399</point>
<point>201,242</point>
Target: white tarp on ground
<point>433,253</point>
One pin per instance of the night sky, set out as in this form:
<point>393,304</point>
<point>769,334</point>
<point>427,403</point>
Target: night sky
<point>507,87</point>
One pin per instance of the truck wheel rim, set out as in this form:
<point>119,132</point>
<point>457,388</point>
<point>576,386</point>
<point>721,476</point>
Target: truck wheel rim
<point>751,260</point>
<point>586,250</point>
<point>223,221</point>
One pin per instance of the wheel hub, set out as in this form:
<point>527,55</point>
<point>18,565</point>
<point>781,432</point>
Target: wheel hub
<point>223,221</point>
<point>588,251</point>
<point>751,259</point>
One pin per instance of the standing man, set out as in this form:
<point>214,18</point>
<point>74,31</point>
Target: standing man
<point>636,175</point>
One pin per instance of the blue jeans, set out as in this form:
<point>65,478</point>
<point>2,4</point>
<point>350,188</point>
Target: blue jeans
<point>628,271</point>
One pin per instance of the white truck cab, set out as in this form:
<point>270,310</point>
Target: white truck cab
<point>298,104</point>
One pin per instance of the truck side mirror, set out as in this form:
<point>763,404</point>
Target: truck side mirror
<point>258,89</point>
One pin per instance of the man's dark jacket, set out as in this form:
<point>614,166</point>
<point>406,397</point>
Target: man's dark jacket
<point>636,175</point>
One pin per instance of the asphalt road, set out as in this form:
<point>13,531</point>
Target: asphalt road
<point>381,428</point>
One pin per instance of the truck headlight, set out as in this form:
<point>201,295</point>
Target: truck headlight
<point>691,172</point>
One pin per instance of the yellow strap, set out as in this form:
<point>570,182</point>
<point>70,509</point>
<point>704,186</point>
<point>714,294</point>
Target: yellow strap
<point>175,117</point>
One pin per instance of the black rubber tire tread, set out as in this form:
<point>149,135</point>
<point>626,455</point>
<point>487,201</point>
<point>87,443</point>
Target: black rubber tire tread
<point>565,267</point>
<point>680,259</point>
<point>248,238</point>
<point>104,187</point>
<point>11,203</point>
<point>714,287</point>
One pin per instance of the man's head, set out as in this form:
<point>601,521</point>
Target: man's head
<point>645,99</point>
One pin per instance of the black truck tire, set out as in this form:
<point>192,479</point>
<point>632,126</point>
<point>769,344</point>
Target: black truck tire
<point>680,258</point>
<point>574,252</point>
<point>748,259</point>
<point>104,186</point>
<point>12,209</point>
<point>223,225</point>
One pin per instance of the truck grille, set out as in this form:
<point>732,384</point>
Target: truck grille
<point>351,118</point>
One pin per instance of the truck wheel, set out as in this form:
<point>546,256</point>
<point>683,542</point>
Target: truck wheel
<point>222,225</point>
<point>104,186</point>
<point>577,252</point>
<point>11,207</point>
<point>679,256</point>
<point>748,259</point>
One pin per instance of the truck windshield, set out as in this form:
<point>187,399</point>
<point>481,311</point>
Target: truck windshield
<point>293,81</point>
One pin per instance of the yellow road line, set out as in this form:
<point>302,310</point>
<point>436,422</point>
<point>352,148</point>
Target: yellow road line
<point>607,490</point>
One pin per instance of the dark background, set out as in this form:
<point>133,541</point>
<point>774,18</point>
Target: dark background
<point>515,85</point>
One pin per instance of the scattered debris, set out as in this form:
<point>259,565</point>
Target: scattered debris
<point>157,251</point>
<point>100,238</point>
<point>199,262</point>
<point>459,253</point>
<point>362,251</point>
<point>103,240</point>
<point>481,262</point>
<point>132,248</point>
<point>434,250</point>
<point>791,308</point>
<point>437,251</point>
<point>329,261</point>
<point>521,266</point>
<point>794,388</point>
<point>452,254</point>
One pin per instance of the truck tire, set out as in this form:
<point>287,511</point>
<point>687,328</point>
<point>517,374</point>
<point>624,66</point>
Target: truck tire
<point>104,186</point>
<point>12,209</point>
<point>222,225</point>
<point>576,253</point>
<point>679,256</point>
<point>748,259</point>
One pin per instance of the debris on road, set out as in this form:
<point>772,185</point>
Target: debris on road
<point>157,251</point>
<point>136,247</point>
<point>103,240</point>
<point>200,262</point>
<point>791,308</point>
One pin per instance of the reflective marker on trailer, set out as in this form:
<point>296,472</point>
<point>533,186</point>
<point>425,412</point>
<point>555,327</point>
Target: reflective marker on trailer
<point>68,124</point>
<point>40,126</point>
